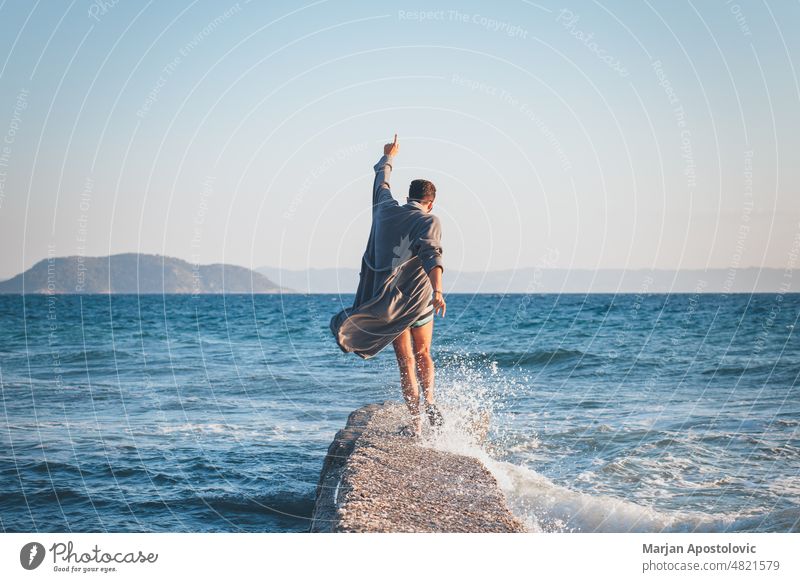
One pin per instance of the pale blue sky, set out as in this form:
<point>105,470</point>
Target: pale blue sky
<point>246,132</point>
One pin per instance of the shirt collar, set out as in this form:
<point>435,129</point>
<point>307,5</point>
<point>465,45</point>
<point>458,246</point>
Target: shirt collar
<point>415,204</point>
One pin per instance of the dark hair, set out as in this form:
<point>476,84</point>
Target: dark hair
<point>421,190</point>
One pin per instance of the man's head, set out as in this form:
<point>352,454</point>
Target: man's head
<point>423,192</point>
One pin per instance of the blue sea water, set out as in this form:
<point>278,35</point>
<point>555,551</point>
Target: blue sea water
<point>214,413</point>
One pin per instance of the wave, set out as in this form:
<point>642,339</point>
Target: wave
<point>556,356</point>
<point>238,509</point>
<point>290,504</point>
<point>747,368</point>
<point>70,509</point>
<point>44,495</point>
<point>546,506</point>
<point>94,356</point>
<point>514,359</point>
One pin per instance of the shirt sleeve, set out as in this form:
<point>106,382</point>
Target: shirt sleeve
<point>381,192</point>
<point>429,245</point>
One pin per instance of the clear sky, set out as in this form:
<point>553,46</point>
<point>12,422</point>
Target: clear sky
<point>575,134</point>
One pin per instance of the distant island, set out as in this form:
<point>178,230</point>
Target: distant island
<point>137,274</point>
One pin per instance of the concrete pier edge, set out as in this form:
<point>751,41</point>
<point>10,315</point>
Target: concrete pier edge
<point>374,480</point>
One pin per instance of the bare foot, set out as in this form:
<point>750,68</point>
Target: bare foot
<point>434,415</point>
<point>408,431</point>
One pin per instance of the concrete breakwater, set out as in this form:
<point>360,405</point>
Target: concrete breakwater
<point>374,480</point>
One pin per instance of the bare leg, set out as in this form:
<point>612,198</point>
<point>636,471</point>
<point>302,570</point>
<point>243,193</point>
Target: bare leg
<point>422,336</point>
<point>408,377</point>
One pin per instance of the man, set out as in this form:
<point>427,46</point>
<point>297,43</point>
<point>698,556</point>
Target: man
<point>400,288</point>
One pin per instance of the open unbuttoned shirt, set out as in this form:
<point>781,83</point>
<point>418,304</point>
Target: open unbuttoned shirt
<point>394,289</point>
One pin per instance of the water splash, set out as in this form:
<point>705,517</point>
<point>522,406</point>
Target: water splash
<point>472,397</point>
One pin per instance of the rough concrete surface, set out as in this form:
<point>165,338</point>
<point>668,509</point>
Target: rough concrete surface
<point>374,480</point>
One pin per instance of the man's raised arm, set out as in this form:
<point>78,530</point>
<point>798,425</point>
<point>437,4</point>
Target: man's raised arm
<point>381,191</point>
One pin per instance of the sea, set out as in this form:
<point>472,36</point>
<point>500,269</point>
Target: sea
<point>608,413</point>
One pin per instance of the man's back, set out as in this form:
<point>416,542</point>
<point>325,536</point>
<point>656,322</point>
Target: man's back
<point>400,231</point>
<point>403,231</point>
<point>398,234</point>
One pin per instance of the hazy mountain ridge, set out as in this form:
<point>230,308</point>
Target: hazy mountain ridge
<point>533,280</point>
<point>144,273</point>
<point>135,273</point>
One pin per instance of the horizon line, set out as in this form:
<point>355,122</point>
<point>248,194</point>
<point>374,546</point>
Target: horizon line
<point>484,271</point>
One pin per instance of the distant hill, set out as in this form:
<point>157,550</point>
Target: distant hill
<point>136,273</point>
<point>529,280</point>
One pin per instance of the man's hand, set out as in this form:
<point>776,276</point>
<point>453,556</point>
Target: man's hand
<point>391,149</point>
<point>438,303</point>
<point>435,277</point>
